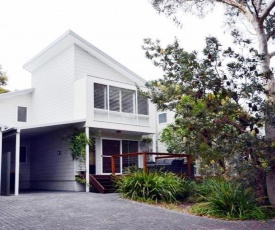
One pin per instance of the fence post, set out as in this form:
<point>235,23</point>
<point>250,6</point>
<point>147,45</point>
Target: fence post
<point>189,160</point>
<point>113,165</point>
<point>144,163</point>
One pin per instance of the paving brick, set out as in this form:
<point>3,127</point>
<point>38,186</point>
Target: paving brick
<point>76,210</point>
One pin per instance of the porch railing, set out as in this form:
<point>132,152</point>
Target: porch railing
<point>146,155</point>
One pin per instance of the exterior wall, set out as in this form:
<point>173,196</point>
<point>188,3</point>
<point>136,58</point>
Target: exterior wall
<point>49,170</point>
<point>161,147</point>
<point>54,89</point>
<point>8,110</point>
<point>80,98</point>
<point>24,175</point>
<point>86,64</point>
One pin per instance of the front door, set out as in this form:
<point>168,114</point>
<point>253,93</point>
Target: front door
<point>113,147</point>
<point>109,148</point>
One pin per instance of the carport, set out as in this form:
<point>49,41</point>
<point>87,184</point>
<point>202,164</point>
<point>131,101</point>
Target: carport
<point>11,140</point>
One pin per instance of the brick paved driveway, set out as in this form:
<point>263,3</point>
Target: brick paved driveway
<point>70,210</point>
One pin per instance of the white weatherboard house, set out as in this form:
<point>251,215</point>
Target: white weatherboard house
<point>74,85</point>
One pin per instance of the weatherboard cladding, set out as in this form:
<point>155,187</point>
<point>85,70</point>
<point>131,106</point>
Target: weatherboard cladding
<point>9,107</point>
<point>48,168</point>
<point>86,64</point>
<point>54,89</point>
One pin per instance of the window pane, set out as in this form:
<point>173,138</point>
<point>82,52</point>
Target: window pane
<point>114,101</point>
<point>127,101</point>
<point>22,114</point>
<point>162,118</point>
<point>100,96</point>
<point>129,147</point>
<point>142,105</point>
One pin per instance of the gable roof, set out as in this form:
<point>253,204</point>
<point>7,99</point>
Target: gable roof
<point>16,93</point>
<point>69,38</point>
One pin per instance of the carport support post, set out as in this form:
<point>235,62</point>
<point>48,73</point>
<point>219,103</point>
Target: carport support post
<point>87,161</point>
<point>17,162</point>
<point>1,136</point>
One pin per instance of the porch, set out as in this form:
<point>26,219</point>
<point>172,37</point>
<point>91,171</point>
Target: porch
<point>180,164</point>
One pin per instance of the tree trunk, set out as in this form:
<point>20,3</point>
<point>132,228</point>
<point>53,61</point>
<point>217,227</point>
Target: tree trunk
<point>260,188</point>
<point>269,130</point>
<point>270,184</point>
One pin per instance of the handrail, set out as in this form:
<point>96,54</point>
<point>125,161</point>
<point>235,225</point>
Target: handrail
<point>96,184</point>
<point>167,155</point>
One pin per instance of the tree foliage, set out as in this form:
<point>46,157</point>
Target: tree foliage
<point>260,14</point>
<point>219,104</point>
<point>3,80</point>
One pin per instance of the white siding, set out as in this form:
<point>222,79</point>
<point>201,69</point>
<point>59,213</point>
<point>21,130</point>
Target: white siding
<point>80,98</point>
<point>48,169</point>
<point>86,64</point>
<point>54,89</point>
<point>24,174</point>
<point>161,147</point>
<point>8,110</point>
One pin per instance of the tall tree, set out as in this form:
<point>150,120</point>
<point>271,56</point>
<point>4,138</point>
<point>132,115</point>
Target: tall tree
<point>219,106</point>
<point>260,14</point>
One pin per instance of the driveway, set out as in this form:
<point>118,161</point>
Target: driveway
<point>71,210</point>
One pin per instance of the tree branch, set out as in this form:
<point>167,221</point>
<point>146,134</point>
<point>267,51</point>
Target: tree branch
<point>226,120</point>
<point>239,6</point>
<point>259,4</point>
<point>255,8</point>
<point>272,54</point>
<point>267,10</point>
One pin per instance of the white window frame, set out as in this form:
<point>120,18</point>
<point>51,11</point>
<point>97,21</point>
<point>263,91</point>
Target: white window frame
<point>135,99</point>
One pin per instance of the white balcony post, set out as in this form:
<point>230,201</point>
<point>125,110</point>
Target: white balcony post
<point>17,162</point>
<point>87,161</point>
<point>1,141</point>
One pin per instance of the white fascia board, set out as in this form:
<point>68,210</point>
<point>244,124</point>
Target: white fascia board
<point>53,124</point>
<point>16,93</point>
<point>69,38</point>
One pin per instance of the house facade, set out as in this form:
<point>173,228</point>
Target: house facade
<point>74,85</point>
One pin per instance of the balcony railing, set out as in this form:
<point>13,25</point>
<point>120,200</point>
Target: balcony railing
<point>120,117</point>
<point>150,155</point>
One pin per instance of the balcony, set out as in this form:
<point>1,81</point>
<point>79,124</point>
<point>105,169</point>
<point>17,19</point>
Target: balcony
<point>121,117</point>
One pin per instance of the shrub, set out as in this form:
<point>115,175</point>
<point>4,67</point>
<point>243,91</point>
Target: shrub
<point>153,185</point>
<point>221,198</point>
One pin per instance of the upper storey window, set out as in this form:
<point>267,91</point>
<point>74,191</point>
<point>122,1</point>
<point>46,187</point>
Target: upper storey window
<point>100,96</point>
<point>21,114</point>
<point>119,100</point>
<point>162,118</point>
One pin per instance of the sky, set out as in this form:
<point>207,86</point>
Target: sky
<point>117,27</point>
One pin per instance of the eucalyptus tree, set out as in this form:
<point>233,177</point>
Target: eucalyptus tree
<point>219,106</point>
<point>260,15</point>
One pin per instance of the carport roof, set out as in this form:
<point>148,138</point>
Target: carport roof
<point>35,130</point>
